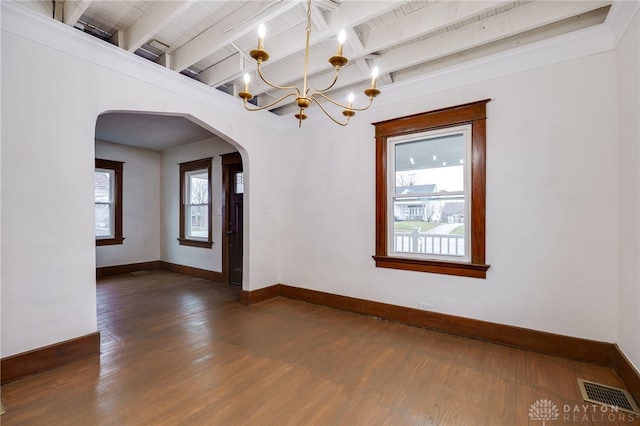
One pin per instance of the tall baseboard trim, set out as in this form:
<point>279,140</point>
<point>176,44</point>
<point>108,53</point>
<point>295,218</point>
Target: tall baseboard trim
<point>539,341</point>
<point>37,360</point>
<point>523,338</point>
<point>192,272</point>
<point>260,295</point>
<point>626,371</point>
<point>107,271</point>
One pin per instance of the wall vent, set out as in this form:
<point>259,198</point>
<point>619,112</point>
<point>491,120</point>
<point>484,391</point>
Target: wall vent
<point>609,396</point>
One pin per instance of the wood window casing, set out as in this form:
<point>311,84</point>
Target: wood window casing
<point>473,114</point>
<point>185,168</point>
<point>117,168</point>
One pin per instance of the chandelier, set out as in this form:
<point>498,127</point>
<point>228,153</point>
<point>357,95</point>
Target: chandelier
<point>306,96</point>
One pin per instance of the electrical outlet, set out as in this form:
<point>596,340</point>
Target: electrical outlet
<point>424,306</point>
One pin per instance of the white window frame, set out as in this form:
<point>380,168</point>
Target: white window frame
<point>188,205</point>
<point>115,170</point>
<point>465,130</point>
<point>111,203</point>
<point>188,169</point>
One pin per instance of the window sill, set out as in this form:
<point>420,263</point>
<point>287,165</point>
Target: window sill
<point>109,241</point>
<point>435,266</point>
<point>195,243</point>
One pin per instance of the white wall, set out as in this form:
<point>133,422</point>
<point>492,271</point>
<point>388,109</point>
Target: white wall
<point>628,56</point>
<point>209,259</point>
<point>140,205</point>
<point>551,203</point>
<point>58,83</point>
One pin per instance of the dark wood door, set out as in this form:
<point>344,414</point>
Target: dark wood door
<point>234,193</point>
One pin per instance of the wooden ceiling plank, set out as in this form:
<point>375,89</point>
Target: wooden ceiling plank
<point>411,26</point>
<point>513,21</point>
<point>427,20</point>
<point>289,42</point>
<point>73,10</point>
<point>152,21</point>
<point>224,70</point>
<point>220,34</point>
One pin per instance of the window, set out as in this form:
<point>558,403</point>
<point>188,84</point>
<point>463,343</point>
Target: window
<point>195,203</point>
<point>430,191</point>
<point>239,183</point>
<point>108,202</point>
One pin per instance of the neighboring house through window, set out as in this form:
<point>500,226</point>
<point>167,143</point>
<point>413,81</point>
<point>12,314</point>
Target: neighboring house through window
<point>430,191</point>
<point>108,202</point>
<point>195,203</point>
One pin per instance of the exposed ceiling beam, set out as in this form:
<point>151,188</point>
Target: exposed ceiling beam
<point>428,19</point>
<point>151,22</point>
<point>416,24</point>
<point>220,35</point>
<point>515,21</point>
<point>318,20</point>
<point>73,10</point>
<point>291,41</point>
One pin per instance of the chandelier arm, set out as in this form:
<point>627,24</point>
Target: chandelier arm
<point>275,86</point>
<point>342,105</point>
<point>269,105</point>
<point>329,115</point>
<point>335,79</point>
<point>363,108</point>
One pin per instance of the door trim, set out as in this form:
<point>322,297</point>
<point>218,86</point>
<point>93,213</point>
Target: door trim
<point>227,182</point>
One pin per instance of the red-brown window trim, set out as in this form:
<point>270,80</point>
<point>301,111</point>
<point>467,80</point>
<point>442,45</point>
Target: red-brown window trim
<point>189,166</point>
<point>473,114</point>
<point>117,167</point>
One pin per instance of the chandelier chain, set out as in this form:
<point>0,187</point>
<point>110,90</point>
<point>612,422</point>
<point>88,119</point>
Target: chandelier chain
<point>308,16</point>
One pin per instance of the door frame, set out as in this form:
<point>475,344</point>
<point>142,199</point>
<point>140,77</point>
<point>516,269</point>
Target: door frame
<point>227,185</point>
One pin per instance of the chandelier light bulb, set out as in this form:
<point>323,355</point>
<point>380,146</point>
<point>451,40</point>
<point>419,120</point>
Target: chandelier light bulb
<point>247,79</point>
<point>374,74</point>
<point>262,30</point>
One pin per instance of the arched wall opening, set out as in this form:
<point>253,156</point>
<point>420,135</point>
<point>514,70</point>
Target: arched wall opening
<point>151,146</point>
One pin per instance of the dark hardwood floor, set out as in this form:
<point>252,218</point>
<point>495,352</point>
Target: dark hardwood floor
<point>182,350</point>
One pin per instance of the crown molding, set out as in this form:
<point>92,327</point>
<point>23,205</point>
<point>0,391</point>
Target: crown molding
<point>619,18</point>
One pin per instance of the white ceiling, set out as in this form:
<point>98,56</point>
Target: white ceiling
<point>210,40</point>
<point>149,131</point>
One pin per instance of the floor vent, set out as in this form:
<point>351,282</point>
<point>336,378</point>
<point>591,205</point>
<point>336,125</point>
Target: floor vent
<point>139,272</point>
<point>609,396</point>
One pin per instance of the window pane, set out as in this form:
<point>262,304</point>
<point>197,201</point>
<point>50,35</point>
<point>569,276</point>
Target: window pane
<point>103,182</point>
<point>239,183</point>
<point>198,221</point>
<point>430,165</point>
<point>429,225</point>
<point>103,220</point>
<point>198,187</point>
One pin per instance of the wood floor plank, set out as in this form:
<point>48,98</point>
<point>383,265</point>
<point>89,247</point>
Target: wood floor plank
<point>179,350</point>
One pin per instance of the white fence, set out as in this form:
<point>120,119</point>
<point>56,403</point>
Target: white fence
<point>426,243</point>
